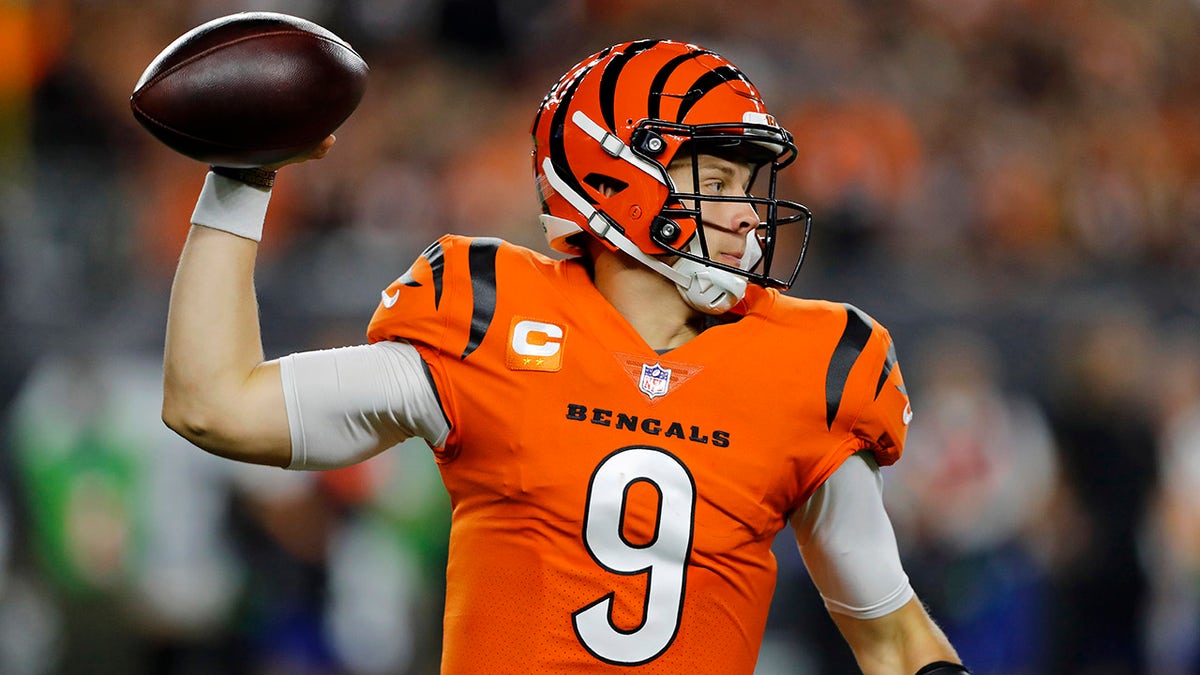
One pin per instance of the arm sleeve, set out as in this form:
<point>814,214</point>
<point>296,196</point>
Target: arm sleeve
<point>848,544</point>
<point>346,405</point>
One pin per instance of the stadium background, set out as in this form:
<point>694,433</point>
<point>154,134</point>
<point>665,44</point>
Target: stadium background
<point>1012,186</point>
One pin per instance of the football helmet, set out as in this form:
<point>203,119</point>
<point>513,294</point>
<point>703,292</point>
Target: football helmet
<point>605,135</point>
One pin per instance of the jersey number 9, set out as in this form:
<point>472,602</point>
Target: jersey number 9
<point>663,559</point>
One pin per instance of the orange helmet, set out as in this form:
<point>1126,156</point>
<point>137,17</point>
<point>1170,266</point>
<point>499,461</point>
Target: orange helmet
<point>605,134</point>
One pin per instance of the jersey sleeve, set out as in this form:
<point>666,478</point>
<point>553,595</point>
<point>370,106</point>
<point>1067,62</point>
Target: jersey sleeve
<point>411,307</point>
<point>866,384</point>
<point>442,306</point>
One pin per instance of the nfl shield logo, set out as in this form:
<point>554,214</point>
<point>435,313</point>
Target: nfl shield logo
<point>655,380</point>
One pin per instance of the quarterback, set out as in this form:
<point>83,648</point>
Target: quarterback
<point>623,429</point>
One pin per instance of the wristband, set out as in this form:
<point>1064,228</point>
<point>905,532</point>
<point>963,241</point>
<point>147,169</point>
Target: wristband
<point>943,668</point>
<point>232,206</point>
<point>258,177</point>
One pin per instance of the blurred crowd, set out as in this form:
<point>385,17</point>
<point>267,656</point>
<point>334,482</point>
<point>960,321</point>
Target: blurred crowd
<point>1011,186</point>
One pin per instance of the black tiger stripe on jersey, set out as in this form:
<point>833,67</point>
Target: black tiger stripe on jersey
<point>435,256</point>
<point>850,345</point>
<point>481,258</point>
<point>888,365</point>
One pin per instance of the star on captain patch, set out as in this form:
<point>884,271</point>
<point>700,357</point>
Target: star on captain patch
<point>655,380</point>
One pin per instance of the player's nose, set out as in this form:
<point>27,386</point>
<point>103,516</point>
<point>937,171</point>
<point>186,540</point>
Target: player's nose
<point>742,217</point>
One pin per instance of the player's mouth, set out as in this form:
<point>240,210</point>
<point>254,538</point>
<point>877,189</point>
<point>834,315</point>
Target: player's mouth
<point>729,258</point>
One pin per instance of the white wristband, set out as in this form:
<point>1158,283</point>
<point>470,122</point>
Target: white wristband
<point>232,206</point>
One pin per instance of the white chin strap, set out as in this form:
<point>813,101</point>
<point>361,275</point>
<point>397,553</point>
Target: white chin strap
<point>711,290</point>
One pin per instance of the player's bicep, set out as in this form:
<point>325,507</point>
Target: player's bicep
<point>345,405</point>
<point>848,544</point>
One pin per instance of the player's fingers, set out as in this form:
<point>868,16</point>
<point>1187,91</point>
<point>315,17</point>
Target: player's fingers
<point>316,153</point>
<point>321,150</point>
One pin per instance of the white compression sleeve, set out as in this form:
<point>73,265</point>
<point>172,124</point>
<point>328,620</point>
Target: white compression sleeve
<point>848,544</point>
<point>345,405</point>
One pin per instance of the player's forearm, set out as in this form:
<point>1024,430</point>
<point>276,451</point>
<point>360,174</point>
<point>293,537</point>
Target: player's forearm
<point>900,643</point>
<point>213,358</point>
<point>212,340</point>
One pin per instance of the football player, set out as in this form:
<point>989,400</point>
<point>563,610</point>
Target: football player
<point>622,431</point>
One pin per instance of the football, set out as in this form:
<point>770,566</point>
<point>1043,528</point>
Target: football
<point>249,89</point>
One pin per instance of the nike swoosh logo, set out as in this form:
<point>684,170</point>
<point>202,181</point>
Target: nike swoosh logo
<point>389,300</point>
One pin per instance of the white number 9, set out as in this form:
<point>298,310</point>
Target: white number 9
<point>664,559</point>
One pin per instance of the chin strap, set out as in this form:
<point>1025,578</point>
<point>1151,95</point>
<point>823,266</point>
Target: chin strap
<point>712,290</point>
<point>709,290</point>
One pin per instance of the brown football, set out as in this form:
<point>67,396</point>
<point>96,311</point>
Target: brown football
<point>249,89</point>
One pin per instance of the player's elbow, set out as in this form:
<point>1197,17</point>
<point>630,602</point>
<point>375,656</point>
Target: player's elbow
<point>213,430</point>
<point>187,419</point>
<point>227,425</point>
<point>198,417</point>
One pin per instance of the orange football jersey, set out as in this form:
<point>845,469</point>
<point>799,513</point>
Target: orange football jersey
<point>614,508</point>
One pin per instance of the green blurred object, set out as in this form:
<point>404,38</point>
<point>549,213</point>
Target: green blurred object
<point>80,479</point>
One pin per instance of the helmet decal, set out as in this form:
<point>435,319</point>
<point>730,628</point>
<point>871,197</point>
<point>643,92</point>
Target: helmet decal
<point>654,103</point>
<point>612,72</point>
<point>705,84</point>
<point>557,122</point>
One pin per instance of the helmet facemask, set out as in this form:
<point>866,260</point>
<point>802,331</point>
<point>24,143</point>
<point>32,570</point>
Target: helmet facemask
<point>766,149</point>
